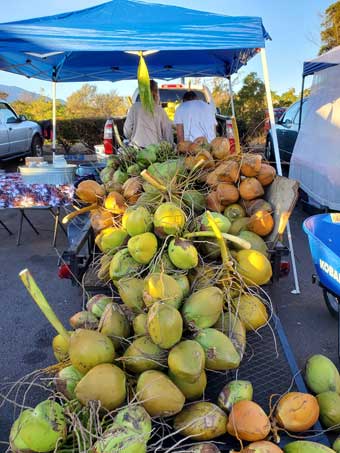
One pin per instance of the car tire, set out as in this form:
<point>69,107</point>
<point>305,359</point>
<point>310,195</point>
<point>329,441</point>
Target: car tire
<point>269,150</point>
<point>37,146</point>
<point>332,303</point>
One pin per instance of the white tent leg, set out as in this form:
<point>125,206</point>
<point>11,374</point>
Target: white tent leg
<point>231,94</point>
<point>54,121</point>
<point>278,160</point>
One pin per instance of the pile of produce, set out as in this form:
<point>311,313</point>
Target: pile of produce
<point>182,240</point>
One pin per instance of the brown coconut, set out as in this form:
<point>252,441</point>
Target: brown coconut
<point>251,164</point>
<point>227,193</point>
<point>201,141</point>
<point>251,188</point>
<point>266,175</point>
<point>132,189</point>
<point>228,171</point>
<point>261,223</point>
<point>259,204</point>
<point>213,202</point>
<point>220,148</point>
<point>183,147</point>
<point>90,191</point>
<point>100,219</point>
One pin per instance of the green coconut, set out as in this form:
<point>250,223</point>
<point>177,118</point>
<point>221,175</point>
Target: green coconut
<point>97,304</point>
<point>15,440</point>
<point>220,353</point>
<point>123,265</point>
<point>143,355</point>
<point>44,427</point>
<point>234,211</point>
<point>254,267</point>
<point>234,392</point>
<point>191,391</point>
<point>202,421</point>
<point>140,326</point>
<point>322,375</point>
<point>133,170</point>
<point>60,347</point>
<point>163,264</point>
<point>160,287</point>
<point>120,439</point>
<point>251,311</point>
<point>186,360</point>
<point>147,155</point>
<point>110,239</point>
<point>158,394</point>
<point>89,348</point>
<point>143,247</point>
<point>238,225</point>
<point>66,381</point>
<point>256,242</point>
<point>336,445</point>
<point>136,418</point>
<point>233,327</point>
<point>203,308</point>
<point>194,200</point>
<point>137,220</point>
<point>84,320</point>
<point>210,248</point>
<point>106,174</point>
<point>166,171</point>
<point>105,383</point>
<point>119,176</point>
<point>169,219</point>
<point>183,254</point>
<point>131,292</point>
<point>114,324</point>
<point>165,325</point>
<point>306,446</point>
<point>221,221</point>
<point>184,283</point>
<point>329,404</point>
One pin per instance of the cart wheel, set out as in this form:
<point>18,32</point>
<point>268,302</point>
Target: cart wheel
<point>332,303</point>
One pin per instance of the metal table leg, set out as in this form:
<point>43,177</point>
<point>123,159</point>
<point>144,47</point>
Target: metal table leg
<point>22,217</point>
<point>56,222</point>
<point>6,228</point>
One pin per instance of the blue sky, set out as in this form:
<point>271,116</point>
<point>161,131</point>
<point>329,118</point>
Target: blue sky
<point>294,26</point>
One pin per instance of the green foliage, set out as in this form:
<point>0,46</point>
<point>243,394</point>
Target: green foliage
<point>220,94</point>
<point>285,99</point>
<point>88,131</point>
<point>38,109</point>
<point>330,28</point>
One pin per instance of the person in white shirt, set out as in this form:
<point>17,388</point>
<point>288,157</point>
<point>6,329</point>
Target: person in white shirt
<point>143,128</point>
<point>194,118</point>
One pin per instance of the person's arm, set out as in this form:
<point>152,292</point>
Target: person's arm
<point>180,133</point>
<point>129,123</point>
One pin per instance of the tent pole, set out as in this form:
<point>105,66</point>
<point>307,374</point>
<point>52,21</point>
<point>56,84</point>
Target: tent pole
<point>231,96</point>
<point>278,160</point>
<point>54,122</point>
<point>301,100</point>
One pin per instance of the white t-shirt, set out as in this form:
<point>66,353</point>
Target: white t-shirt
<point>198,119</point>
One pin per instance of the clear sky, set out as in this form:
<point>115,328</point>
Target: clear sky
<point>294,26</point>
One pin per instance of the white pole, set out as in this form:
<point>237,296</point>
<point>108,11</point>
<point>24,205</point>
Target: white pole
<point>231,97</point>
<point>277,159</point>
<point>54,120</point>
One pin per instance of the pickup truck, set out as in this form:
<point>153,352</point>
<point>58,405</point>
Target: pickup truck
<point>170,97</point>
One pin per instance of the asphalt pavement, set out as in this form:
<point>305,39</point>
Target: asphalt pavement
<point>26,335</point>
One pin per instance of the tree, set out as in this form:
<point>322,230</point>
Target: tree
<point>87,103</point>
<point>3,95</point>
<point>330,28</point>
<point>250,106</point>
<point>288,98</point>
<point>220,94</point>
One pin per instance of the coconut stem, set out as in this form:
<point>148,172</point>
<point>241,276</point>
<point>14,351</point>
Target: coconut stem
<point>219,237</point>
<point>153,181</point>
<point>73,214</point>
<point>241,242</point>
<point>42,303</point>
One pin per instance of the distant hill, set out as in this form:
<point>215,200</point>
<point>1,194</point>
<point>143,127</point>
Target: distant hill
<point>15,93</point>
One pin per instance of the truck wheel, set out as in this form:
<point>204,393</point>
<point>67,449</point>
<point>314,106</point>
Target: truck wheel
<point>332,303</point>
<point>269,151</point>
<point>37,146</point>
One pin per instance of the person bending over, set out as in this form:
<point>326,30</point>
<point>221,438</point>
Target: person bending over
<point>144,128</point>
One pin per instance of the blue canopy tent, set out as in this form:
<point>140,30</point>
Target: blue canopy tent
<point>100,43</point>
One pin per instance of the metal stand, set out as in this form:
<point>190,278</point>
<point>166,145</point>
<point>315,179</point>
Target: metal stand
<point>57,223</point>
<point>22,217</point>
<point>6,228</point>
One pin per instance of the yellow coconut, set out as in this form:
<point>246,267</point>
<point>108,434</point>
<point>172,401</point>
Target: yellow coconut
<point>131,293</point>
<point>251,311</point>
<point>254,267</point>
<point>143,247</point>
<point>191,391</point>
<point>165,325</point>
<point>248,421</point>
<point>160,287</point>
